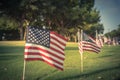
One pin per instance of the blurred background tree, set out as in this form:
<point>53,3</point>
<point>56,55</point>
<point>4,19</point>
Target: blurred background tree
<point>62,16</point>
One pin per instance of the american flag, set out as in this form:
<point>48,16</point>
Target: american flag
<point>88,44</point>
<point>46,46</point>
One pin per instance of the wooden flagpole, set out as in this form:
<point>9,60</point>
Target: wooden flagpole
<point>96,36</point>
<point>23,77</point>
<point>81,36</point>
<point>81,54</point>
<point>24,66</point>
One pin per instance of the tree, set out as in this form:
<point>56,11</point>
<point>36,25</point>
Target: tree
<point>58,15</point>
<point>114,33</point>
<point>18,10</point>
<point>7,24</point>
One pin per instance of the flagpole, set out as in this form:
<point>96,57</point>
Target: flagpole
<point>81,54</point>
<point>24,66</point>
<point>23,77</point>
<point>96,36</point>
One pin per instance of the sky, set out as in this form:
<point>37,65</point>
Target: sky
<point>109,12</point>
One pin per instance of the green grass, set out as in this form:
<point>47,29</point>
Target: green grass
<point>102,66</point>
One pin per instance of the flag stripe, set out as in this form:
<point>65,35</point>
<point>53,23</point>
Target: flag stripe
<point>92,45</point>
<point>90,48</point>
<point>37,52</point>
<point>57,40</point>
<point>61,57</point>
<point>36,57</point>
<point>92,39</point>
<point>80,47</point>
<point>59,37</point>
<point>54,42</point>
<point>45,49</point>
<point>55,48</point>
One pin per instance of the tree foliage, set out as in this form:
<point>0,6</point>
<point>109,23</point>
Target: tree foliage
<point>114,33</point>
<point>7,24</point>
<point>63,16</point>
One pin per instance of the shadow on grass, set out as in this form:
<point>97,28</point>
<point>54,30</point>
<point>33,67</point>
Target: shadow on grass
<point>11,49</point>
<point>46,75</point>
<point>10,57</point>
<point>105,56</point>
<point>89,74</point>
<point>71,48</point>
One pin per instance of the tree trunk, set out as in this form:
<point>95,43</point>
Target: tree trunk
<point>21,32</point>
<point>24,35</point>
<point>75,38</point>
<point>21,29</point>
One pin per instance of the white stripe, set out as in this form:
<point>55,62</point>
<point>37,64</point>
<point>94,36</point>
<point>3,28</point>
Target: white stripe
<point>92,49</point>
<point>50,61</point>
<point>45,48</point>
<point>58,38</point>
<point>91,45</point>
<point>55,47</point>
<point>46,54</point>
<point>101,42</point>
<point>80,47</point>
<point>87,45</point>
<point>89,37</point>
<point>52,40</point>
<point>92,39</point>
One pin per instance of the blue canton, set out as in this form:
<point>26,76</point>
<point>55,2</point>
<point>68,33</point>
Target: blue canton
<point>38,36</point>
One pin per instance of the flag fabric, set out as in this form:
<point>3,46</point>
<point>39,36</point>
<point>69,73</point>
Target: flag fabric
<point>88,44</point>
<point>45,45</point>
<point>80,46</point>
<point>99,41</point>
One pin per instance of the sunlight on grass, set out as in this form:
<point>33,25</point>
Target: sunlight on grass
<point>12,43</point>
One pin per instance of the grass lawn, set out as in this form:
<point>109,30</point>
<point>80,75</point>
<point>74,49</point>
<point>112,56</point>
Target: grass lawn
<point>102,66</point>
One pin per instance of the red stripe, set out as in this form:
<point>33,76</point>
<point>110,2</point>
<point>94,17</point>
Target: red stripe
<point>37,48</point>
<point>90,47</point>
<point>92,39</point>
<point>57,50</point>
<point>89,43</point>
<point>57,45</point>
<point>80,47</point>
<point>101,44</point>
<point>42,55</point>
<point>60,36</point>
<point>36,53</point>
<point>29,59</point>
<point>58,41</point>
